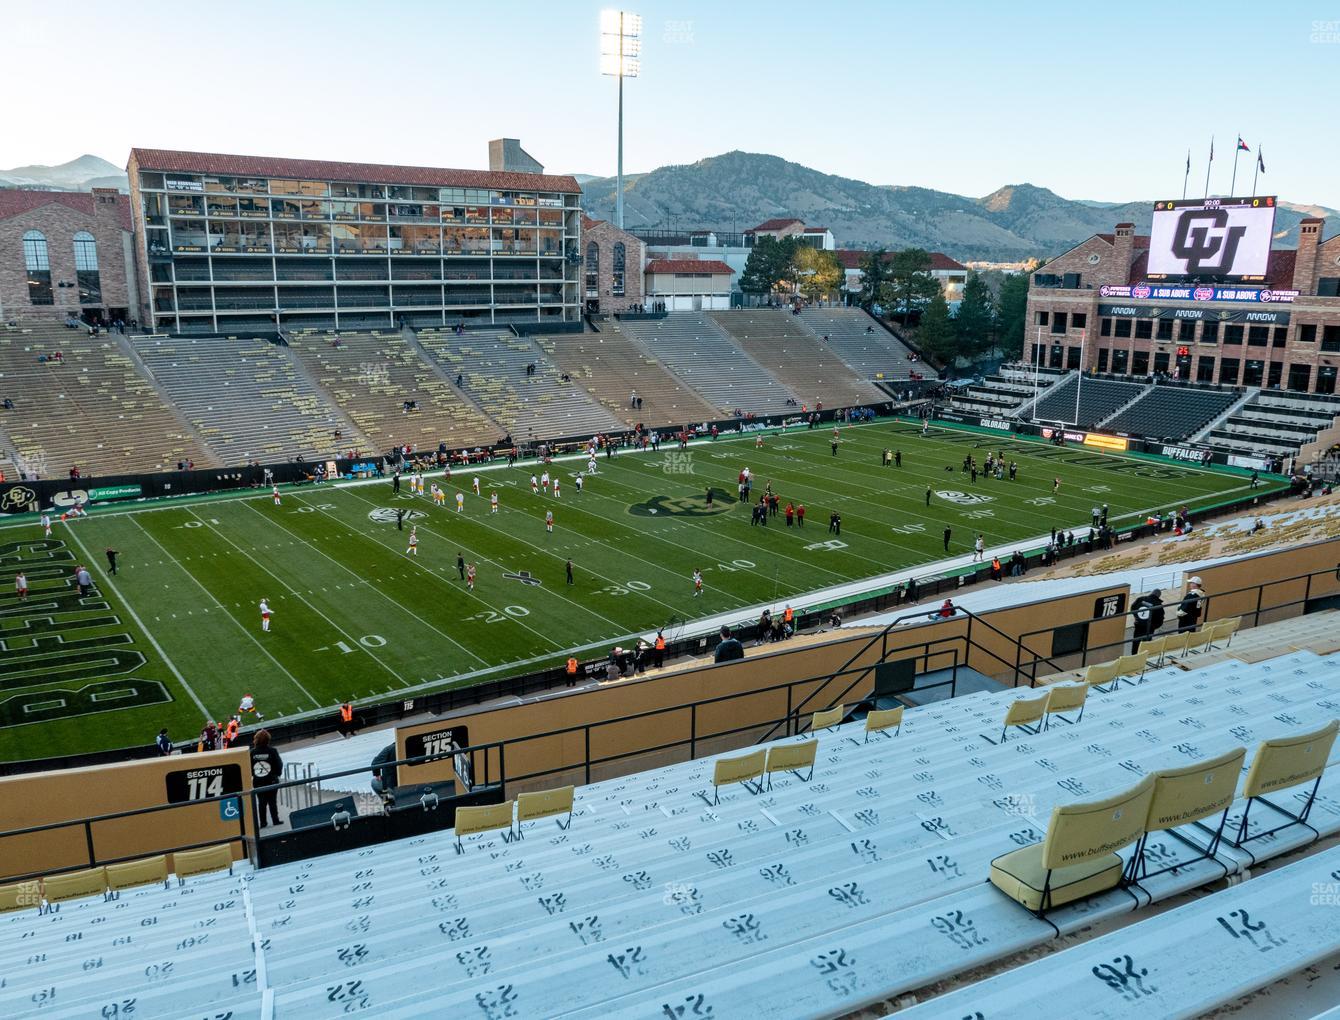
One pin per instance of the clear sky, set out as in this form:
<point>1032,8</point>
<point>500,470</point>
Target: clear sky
<point>1092,101</point>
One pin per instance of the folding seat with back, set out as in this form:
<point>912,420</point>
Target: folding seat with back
<point>746,769</point>
<point>1102,673</point>
<point>791,758</point>
<point>1025,713</point>
<point>1185,796</point>
<point>483,818</point>
<point>544,804</point>
<point>1065,698</point>
<point>881,720</point>
<point>827,720</point>
<point>1281,764</point>
<point>1078,856</point>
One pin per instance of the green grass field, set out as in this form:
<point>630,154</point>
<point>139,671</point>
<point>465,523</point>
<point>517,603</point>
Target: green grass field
<point>176,635</point>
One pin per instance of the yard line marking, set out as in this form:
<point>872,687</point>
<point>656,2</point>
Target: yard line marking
<point>240,624</point>
<point>383,594</point>
<point>294,591</point>
<point>147,633</point>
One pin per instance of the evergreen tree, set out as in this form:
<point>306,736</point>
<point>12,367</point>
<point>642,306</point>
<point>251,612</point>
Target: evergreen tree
<point>1011,309</point>
<point>909,284</point>
<point>874,274</point>
<point>936,335</point>
<point>770,265</point>
<point>976,318</point>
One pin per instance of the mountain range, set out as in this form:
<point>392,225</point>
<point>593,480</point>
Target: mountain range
<point>79,174</point>
<point>738,190</point>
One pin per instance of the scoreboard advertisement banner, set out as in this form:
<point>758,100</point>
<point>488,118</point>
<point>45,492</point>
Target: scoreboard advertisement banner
<point>1221,239</point>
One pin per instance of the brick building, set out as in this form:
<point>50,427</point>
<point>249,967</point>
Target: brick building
<point>613,261</point>
<point>229,243</point>
<point>1093,307</point>
<point>66,254</point>
<point>689,285</point>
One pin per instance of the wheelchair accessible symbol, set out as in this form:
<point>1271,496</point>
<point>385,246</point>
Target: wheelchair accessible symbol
<point>230,809</point>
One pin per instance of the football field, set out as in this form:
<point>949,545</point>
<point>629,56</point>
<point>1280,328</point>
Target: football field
<point>176,636</point>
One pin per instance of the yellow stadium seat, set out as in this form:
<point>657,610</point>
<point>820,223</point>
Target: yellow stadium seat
<point>1223,630</point>
<point>791,758</point>
<point>218,857</point>
<point>881,720</point>
<point>1065,698</point>
<point>1153,648</point>
<point>1280,764</point>
<point>1175,644</point>
<point>484,818</point>
<point>746,769</point>
<point>1132,665</point>
<point>1101,673</point>
<point>74,884</point>
<point>1197,640</point>
<point>1025,712</point>
<point>1077,858</point>
<point>827,720</point>
<point>146,871</point>
<point>544,804</point>
<point>20,896</point>
<point>1185,796</point>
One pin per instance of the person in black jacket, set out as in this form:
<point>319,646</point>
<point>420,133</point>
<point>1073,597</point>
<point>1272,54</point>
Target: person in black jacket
<point>1188,611</point>
<point>730,648</point>
<point>266,769</point>
<point>1148,611</point>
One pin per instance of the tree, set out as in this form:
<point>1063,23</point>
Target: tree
<point>909,284</point>
<point>936,335</point>
<point>818,273</point>
<point>874,274</point>
<point>1011,309</point>
<point>770,265</point>
<point>976,319</point>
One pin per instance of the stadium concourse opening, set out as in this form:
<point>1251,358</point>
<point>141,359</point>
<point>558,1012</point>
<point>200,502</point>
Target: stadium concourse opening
<point>372,594</point>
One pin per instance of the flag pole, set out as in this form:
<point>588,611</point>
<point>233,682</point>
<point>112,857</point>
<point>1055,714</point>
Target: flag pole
<point>1208,164</point>
<point>1237,151</point>
<point>1186,176</point>
<point>1256,171</point>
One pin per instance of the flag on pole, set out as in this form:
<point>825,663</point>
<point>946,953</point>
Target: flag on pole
<point>1243,146</point>
<point>1188,161</point>
<point>1211,148</point>
<point>1260,163</point>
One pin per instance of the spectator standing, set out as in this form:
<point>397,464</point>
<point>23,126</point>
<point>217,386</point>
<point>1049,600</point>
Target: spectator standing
<point>266,768</point>
<point>163,743</point>
<point>729,649</point>
<point>1191,606</point>
<point>1149,616</point>
<point>112,554</point>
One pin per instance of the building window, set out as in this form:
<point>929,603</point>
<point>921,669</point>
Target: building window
<point>1273,374</point>
<point>1330,338</point>
<point>1228,371</point>
<point>1105,328</point>
<point>1102,358</point>
<point>1258,336</point>
<point>1253,373</point>
<point>1233,335</point>
<point>1328,286</point>
<point>1119,360</point>
<point>592,266</point>
<point>1042,318</point>
<point>1209,333</point>
<point>1165,329</point>
<point>38,266</point>
<point>1072,357</point>
<point>1144,329</point>
<point>1186,331</point>
<point>1279,336</point>
<point>1161,363</point>
<point>1078,320</point>
<point>1140,363</point>
<point>1205,370</point>
<point>1123,328</point>
<point>617,269</point>
<point>86,268</point>
<point>1058,322</point>
<point>1326,379</point>
<point>1307,334</point>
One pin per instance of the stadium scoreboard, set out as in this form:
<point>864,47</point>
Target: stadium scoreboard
<point>1226,239</point>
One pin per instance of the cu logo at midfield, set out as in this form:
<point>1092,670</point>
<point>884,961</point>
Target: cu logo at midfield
<point>16,499</point>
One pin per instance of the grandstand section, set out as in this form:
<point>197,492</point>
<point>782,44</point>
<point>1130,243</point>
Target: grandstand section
<point>517,383</point>
<point>663,891</point>
<point>1097,399</point>
<point>247,400</point>
<point>775,339</point>
<point>1171,412</point>
<point>89,408</point>
<point>696,349</point>
<point>612,368</point>
<point>372,377</point>
<point>1275,424</point>
<point>862,342</point>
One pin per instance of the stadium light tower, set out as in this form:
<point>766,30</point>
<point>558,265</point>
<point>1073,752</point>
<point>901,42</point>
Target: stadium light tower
<point>620,48</point>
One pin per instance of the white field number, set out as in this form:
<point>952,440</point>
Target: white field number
<point>198,524</point>
<point>492,616</point>
<point>367,641</point>
<point>311,509</point>
<point>627,588</point>
<point>735,565</point>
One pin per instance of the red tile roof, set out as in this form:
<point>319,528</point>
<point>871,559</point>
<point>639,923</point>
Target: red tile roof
<point>851,259</point>
<point>14,202</point>
<point>780,224</point>
<point>713,266</point>
<point>1279,268</point>
<point>321,170</point>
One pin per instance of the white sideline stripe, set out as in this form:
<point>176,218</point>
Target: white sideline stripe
<point>148,634</point>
